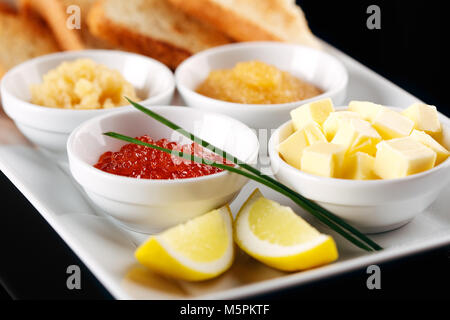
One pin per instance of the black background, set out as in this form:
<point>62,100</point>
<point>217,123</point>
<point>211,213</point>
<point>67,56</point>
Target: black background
<point>408,50</point>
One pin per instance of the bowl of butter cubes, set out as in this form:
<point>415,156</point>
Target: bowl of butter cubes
<point>375,166</point>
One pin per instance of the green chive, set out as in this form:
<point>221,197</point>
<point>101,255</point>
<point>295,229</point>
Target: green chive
<point>300,200</point>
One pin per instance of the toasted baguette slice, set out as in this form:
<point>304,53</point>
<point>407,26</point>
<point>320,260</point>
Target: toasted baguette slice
<point>152,27</point>
<point>253,20</point>
<point>22,39</point>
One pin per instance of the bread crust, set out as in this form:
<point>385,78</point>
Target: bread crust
<point>224,20</point>
<point>123,36</point>
<point>54,14</point>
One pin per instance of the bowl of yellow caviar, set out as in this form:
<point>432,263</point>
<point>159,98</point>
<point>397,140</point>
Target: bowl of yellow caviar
<point>49,96</point>
<point>258,83</point>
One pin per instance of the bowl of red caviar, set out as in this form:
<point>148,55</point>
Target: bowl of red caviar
<point>148,190</point>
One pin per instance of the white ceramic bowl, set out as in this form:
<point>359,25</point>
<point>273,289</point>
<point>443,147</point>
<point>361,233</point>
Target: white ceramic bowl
<point>371,206</point>
<point>49,128</point>
<point>314,66</point>
<point>147,205</point>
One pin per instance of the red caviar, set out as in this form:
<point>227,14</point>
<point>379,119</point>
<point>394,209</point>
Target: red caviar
<point>137,161</point>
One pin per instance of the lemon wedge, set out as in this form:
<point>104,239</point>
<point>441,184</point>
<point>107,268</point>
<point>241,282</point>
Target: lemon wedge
<point>197,250</point>
<point>276,236</point>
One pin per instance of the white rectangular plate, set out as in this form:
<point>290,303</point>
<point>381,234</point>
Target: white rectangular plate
<point>107,249</point>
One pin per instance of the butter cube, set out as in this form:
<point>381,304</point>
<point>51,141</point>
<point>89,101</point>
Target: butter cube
<point>391,124</point>
<point>292,148</point>
<point>359,166</point>
<point>357,135</point>
<point>367,110</point>
<point>313,133</point>
<point>402,157</point>
<point>441,153</point>
<point>323,159</point>
<point>425,117</point>
<point>443,137</point>
<point>316,111</point>
<point>334,120</point>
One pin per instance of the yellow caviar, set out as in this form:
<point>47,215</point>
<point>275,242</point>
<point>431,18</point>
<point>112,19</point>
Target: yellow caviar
<point>255,82</point>
<point>82,84</point>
